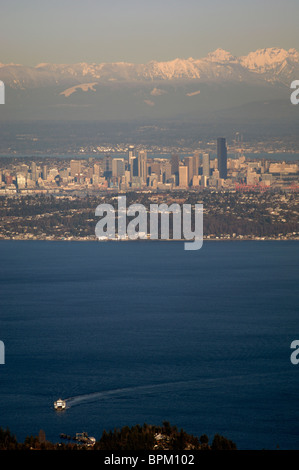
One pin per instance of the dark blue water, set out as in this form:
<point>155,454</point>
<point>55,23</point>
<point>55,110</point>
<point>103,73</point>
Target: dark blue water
<point>134,332</point>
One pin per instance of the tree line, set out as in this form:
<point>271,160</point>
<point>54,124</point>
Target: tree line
<point>134,438</point>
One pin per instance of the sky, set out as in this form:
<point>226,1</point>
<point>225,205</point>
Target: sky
<point>137,31</point>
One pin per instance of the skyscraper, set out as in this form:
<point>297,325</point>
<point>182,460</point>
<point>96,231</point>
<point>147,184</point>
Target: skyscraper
<point>133,167</point>
<point>96,169</point>
<point>118,167</point>
<point>175,162</point>
<point>45,172</point>
<point>33,171</point>
<point>165,171</point>
<point>142,165</point>
<point>75,168</point>
<point>195,163</point>
<point>222,157</point>
<point>206,164</point>
<point>189,165</point>
<point>183,176</point>
<point>108,166</point>
<point>131,155</point>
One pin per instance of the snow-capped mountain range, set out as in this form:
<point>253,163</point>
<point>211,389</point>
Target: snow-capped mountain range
<point>180,88</point>
<point>270,65</point>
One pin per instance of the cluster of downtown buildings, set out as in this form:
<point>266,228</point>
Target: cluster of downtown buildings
<point>137,171</point>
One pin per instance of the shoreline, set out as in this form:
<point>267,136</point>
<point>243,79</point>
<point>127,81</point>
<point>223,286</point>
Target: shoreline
<point>244,238</point>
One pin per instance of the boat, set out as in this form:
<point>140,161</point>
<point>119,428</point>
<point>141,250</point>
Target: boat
<point>59,404</point>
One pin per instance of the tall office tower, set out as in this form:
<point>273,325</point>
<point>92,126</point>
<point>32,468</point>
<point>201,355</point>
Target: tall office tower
<point>206,164</point>
<point>166,171</point>
<point>127,177</point>
<point>175,161</point>
<point>142,165</point>
<point>21,181</point>
<point>89,172</point>
<point>155,167</point>
<point>266,164</point>
<point>96,169</point>
<point>183,176</point>
<point>118,167</point>
<point>45,172</point>
<point>222,157</point>
<point>189,165</point>
<point>75,168</point>
<point>24,170</point>
<point>131,155</point>
<point>33,171</point>
<point>108,166</point>
<point>134,167</point>
<point>196,163</point>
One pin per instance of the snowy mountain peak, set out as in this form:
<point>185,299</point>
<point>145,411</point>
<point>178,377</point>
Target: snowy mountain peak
<point>264,59</point>
<point>220,55</point>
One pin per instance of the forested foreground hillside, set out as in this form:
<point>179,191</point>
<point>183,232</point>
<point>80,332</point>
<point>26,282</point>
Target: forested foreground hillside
<point>136,438</point>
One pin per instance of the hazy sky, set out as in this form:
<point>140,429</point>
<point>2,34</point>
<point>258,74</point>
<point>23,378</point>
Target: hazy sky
<point>69,31</point>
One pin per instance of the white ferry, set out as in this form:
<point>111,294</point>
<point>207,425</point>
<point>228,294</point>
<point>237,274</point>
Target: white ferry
<point>59,404</point>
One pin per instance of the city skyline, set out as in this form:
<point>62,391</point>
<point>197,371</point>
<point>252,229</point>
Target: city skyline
<point>139,170</point>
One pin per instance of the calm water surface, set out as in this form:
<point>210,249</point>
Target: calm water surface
<point>134,332</point>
